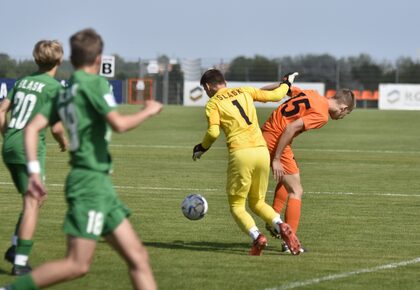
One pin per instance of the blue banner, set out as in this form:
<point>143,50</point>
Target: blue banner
<point>117,88</point>
<point>5,86</point>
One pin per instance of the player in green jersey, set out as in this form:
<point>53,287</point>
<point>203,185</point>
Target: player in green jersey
<point>87,109</point>
<point>24,101</point>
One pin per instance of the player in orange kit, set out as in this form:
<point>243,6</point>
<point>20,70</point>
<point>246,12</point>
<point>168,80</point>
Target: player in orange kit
<point>233,111</point>
<point>305,110</point>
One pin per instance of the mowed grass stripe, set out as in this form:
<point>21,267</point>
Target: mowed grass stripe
<point>346,274</point>
<point>158,146</point>
<point>186,190</point>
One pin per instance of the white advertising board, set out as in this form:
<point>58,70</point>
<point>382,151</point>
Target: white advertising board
<point>107,66</point>
<point>194,95</point>
<point>399,97</point>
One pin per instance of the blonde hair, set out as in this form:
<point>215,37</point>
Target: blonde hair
<point>48,54</point>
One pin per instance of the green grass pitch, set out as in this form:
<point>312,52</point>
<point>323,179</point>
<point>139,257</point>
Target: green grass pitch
<point>360,216</point>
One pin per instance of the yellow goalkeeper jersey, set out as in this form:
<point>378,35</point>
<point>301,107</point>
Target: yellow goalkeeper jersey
<point>234,111</point>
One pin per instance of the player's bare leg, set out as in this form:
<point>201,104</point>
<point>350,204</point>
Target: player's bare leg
<point>76,264</point>
<point>25,235</point>
<point>29,218</point>
<point>126,242</point>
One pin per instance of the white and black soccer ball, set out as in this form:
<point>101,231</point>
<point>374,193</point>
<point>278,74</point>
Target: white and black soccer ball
<point>194,206</point>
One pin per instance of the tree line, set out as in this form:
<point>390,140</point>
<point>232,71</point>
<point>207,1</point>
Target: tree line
<point>358,72</point>
<point>11,68</point>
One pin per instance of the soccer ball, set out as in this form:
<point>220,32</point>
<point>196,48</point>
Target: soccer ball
<point>194,206</point>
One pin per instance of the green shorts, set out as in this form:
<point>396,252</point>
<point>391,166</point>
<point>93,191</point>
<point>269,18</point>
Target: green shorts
<point>20,176</point>
<point>94,208</point>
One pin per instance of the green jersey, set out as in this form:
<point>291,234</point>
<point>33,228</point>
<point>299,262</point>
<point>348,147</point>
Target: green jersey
<point>83,107</point>
<point>27,97</point>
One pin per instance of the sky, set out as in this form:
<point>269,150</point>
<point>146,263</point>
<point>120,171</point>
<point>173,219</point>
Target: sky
<point>219,29</point>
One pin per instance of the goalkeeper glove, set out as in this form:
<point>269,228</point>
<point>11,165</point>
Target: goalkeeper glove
<point>198,151</point>
<point>288,79</point>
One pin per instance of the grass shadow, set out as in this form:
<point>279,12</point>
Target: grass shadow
<point>4,272</point>
<point>232,248</point>
<point>200,246</point>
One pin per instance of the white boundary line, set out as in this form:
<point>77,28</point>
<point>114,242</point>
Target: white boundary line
<point>186,189</point>
<point>362,193</point>
<point>296,149</point>
<point>345,275</point>
<point>189,189</point>
<point>224,148</point>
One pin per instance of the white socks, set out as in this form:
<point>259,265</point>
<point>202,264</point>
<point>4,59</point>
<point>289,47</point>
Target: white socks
<point>254,233</point>
<point>21,260</point>
<point>276,223</point>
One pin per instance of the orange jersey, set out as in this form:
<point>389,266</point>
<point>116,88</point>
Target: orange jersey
<point>308,105</point>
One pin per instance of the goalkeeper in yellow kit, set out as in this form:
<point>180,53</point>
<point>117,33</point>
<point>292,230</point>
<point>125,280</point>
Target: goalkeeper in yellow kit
<point>249,161</point>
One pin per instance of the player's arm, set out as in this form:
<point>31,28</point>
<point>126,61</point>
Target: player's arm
<point>277,91</point>
<point>274,95</point>
<point>57,131</point>
<point>4,108</point>
<point>35,185</point>
<point>285,138</point>
<point>212,133</point>
<point>271,87</point>
<point>211,136</point>
<point>122,123</point>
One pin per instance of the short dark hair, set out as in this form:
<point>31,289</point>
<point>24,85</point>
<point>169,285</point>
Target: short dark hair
<point>346,96</point>
<point>85,45</point>
<point>212,76</point>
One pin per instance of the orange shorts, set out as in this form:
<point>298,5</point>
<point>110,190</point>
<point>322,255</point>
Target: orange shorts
<point>288,161</point>
<point>287,158</point>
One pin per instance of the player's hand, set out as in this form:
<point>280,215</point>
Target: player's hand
<point>198,151</point>
<point>36,188</point>
<point>288,79</point>
<point>278,171</point>
<point>152,107</point>
<point>63,145</point>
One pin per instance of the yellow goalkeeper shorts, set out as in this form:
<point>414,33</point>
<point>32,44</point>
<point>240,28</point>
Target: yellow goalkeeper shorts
<point>248,173</point>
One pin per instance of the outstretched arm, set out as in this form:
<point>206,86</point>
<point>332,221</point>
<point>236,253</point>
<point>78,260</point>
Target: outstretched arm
<point>271,87</point>
<point>122,123</point>
<point>277,91</point>
<point>285,138</point>
<point>274,95</point>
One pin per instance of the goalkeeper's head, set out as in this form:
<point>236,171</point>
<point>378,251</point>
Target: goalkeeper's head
<point>212,81</point>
